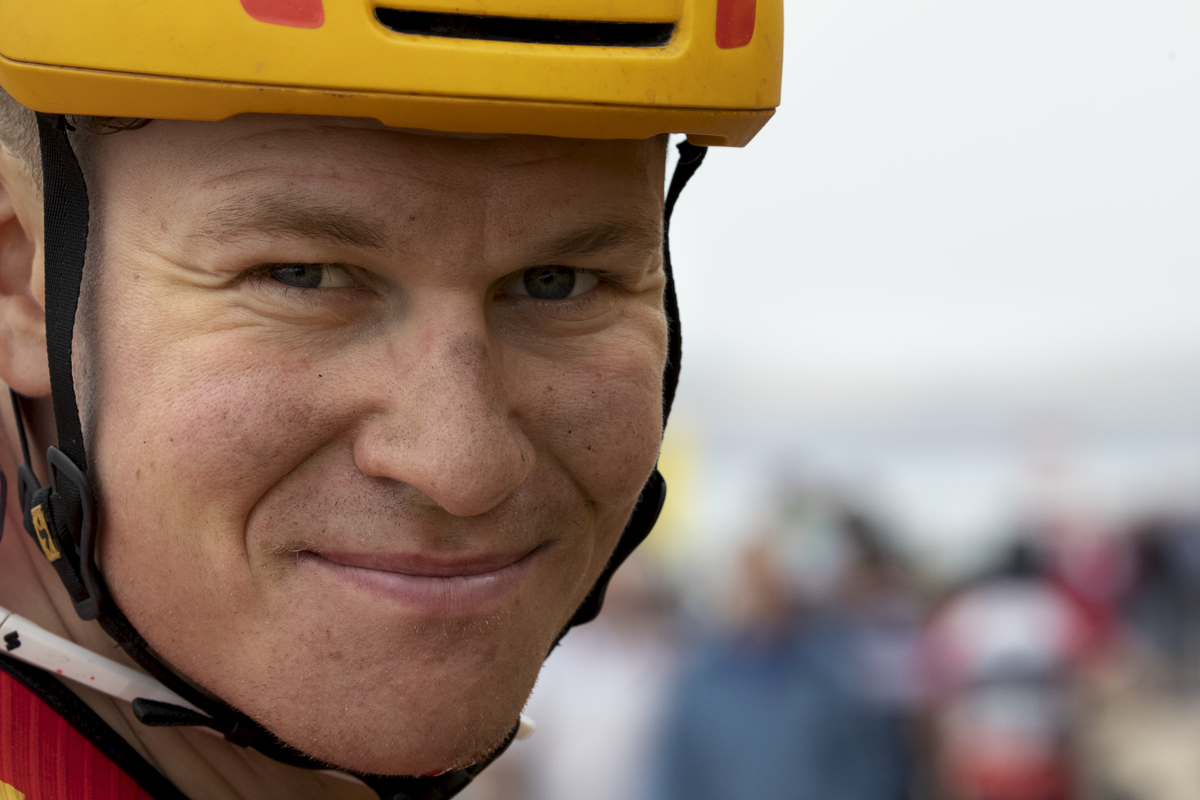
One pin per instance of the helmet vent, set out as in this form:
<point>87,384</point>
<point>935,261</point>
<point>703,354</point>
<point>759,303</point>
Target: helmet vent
<point>531,31</point>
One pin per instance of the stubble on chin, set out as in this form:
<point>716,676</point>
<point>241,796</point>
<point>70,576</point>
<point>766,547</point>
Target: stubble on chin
<point>451,629</point>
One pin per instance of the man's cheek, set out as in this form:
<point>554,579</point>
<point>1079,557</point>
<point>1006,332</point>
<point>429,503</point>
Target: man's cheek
<point>606,426</point>
<point>189,467</point>
<point>231,433</point>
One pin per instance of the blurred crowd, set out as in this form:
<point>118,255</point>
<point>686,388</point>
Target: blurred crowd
<point>821,664</point>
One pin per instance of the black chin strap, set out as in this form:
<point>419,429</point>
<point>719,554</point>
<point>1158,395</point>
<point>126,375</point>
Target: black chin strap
<point>690,158</point>
<point>67,219</point>
<point>61,517</point>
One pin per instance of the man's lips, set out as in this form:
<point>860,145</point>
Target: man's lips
<point>421,565</point>
<point>425,585</point>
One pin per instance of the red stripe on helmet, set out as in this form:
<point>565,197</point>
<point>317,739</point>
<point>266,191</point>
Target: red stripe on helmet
<point>735,23</point>
<point>293,13</point>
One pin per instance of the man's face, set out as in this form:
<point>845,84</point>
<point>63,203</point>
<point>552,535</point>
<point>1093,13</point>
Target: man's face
<point>371,411</point>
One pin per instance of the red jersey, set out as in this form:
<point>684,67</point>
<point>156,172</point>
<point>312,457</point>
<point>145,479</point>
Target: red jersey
<point>45,754</point>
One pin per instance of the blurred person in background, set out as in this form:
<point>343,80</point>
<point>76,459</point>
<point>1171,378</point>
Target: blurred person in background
<point>774,703</point>
<point>1000,655</point>
<point>883,612</point>
<point>1162,609</point>
<point>1143,711</point>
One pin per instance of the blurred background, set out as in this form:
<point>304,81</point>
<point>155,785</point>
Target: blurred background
<point>933,528</point>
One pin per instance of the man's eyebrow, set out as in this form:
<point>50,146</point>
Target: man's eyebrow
<point>289,218</point>
<point>635,232</point>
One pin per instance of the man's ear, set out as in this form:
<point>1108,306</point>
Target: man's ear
<point>23,364</point>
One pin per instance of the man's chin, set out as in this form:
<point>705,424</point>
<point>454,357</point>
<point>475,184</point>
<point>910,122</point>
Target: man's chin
<point>406,754</point>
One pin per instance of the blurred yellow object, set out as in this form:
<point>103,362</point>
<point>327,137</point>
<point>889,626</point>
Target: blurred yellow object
<point>626,69</point>
<point>679,461</point>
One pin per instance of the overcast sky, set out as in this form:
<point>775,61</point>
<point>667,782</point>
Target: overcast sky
<point>954,189</point>
<point>967,216</point>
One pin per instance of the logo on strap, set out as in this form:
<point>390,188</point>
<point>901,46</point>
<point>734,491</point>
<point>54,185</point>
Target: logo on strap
<point>43,534</point>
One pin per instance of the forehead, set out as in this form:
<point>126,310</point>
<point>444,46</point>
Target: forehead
<point>187,166</point>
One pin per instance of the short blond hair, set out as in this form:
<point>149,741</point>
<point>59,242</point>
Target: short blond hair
<point>19,135</point>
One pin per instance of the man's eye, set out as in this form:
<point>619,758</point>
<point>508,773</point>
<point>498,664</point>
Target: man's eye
<point>553,283</point>
<point>313,276</point>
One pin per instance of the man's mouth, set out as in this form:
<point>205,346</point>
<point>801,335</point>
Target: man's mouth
<point>429,585</point>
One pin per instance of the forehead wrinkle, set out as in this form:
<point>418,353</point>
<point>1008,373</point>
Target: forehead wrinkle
<point>289,217</point>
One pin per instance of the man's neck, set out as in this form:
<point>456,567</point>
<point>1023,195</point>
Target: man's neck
<point>203,766</point>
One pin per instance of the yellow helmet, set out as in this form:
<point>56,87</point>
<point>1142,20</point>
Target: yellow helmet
<point>596,69</point>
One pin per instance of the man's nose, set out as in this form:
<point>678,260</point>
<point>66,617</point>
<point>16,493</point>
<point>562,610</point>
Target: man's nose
<point>447,428</point>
